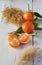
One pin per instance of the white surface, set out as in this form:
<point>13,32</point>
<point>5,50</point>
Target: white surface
<point>37,6</point>
<point>7,54</point>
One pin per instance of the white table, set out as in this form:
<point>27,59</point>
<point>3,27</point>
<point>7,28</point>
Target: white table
<point>7,54</point>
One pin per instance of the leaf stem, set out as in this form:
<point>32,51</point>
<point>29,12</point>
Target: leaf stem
<point>38,28</point>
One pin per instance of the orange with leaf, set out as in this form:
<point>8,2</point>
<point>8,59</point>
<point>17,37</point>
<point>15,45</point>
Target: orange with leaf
<point>30,24</point>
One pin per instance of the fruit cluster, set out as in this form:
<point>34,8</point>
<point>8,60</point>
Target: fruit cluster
<point>28,26</point>
<point>15,41</point>
<point>22,35</point>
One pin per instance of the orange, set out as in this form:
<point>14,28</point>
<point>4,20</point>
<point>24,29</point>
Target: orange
<point>28,16</point>
<point>24,38</point>
<point>28,27</point>
<point>13,40</point>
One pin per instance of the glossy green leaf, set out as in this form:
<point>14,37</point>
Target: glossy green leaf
<point>38,28</point>
<point>37,14</point>
<point>33,34</point>
<point>19,30</point>
<point>35,22</point>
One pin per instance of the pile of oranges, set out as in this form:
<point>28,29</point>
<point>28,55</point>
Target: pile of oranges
<point>27,27</point>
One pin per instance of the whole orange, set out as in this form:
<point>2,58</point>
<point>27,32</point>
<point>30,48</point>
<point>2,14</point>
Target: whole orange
<point>28,27</point>
<point>28,16</point>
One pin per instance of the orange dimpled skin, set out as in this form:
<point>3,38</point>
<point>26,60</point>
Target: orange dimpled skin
<point>28,16</point>
<point>32,28</point>
<point>28,27</point>
<point>24,38</point>
<point>13,40</point>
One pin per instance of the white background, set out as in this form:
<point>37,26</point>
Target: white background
<point>8,54</point>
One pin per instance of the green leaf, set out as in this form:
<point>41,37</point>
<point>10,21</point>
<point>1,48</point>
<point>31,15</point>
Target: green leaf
<point>19,30</point>
<point>35,22</point>
<point>37,14</point>
<point>38,28</point>
<point>33,34</point>
<point>17,34</point>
